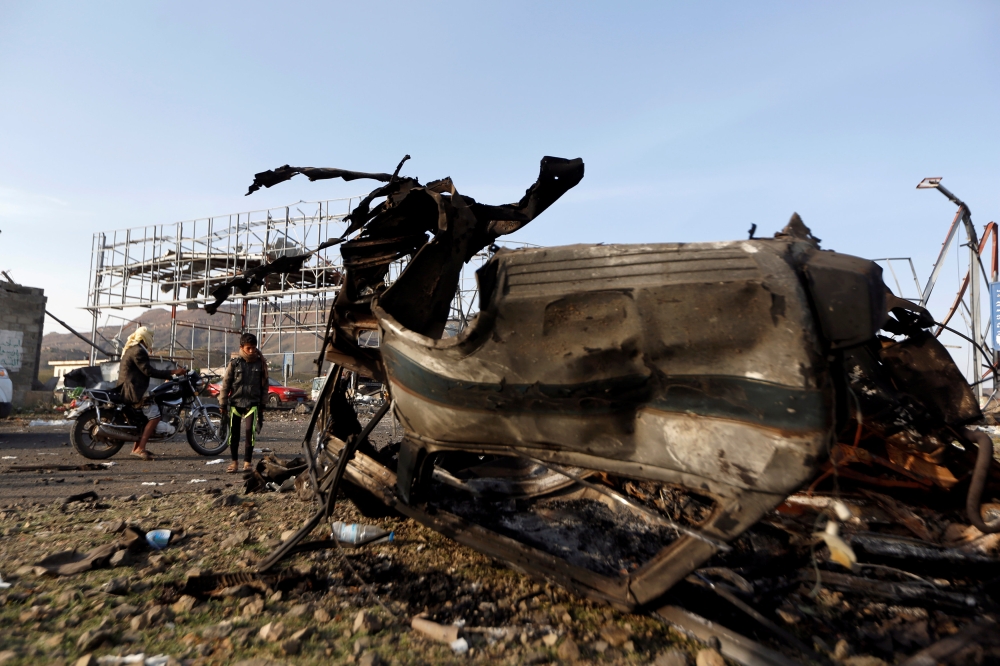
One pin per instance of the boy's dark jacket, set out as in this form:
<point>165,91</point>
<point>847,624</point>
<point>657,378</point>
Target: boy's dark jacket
<point>245,382</point>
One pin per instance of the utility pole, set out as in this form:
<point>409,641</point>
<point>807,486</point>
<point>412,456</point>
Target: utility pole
<point>963,215</point>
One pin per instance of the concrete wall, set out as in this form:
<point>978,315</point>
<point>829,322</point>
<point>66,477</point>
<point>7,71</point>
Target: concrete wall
<point>22,315</point>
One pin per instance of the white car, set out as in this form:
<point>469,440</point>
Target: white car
<point>6,393</point>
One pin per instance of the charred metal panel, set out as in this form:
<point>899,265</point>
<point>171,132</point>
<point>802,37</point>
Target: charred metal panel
<point>699,359</point>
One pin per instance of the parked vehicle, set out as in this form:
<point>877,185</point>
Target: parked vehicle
<point>6,393</point>
<point>278,395</point>
<point>102,425</point>
<point>284,396</point>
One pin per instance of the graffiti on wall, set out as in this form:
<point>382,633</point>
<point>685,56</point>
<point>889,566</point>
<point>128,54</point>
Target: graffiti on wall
<point>10,349</point>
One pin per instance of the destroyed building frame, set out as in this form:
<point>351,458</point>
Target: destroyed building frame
<point>177,265</point>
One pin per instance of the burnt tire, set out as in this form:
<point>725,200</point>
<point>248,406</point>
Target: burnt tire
<point>81,437</point>
<point>207,434</point>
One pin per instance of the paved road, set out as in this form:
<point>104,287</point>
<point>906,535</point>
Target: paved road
<point>173,471</point>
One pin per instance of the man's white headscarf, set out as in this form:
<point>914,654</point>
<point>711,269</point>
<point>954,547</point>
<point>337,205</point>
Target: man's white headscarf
<point>141,334</point>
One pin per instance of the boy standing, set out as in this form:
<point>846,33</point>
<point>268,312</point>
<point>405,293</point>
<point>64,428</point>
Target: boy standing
<point>244,390</point>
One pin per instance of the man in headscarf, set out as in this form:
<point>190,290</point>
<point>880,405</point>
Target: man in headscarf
<point>134,374</point>
<point>242,396</point>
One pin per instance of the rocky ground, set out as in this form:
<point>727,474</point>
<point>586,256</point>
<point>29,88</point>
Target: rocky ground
<point>326,606</point>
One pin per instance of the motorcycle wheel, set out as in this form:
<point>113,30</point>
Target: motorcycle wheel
<point>199,433</point>
<point>84,443</point>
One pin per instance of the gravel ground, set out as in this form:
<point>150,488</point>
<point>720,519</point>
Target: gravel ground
<point>310,615</point>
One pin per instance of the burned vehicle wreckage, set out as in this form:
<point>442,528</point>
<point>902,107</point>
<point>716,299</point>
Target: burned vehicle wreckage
<point>616,416</point>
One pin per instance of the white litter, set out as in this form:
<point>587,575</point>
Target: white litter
<point>460,646</point>
<point>198,481</point>
<point>112,659</point>
<point>3,585</point>
<point>9,458</point>
<point>108,464</point>
<point>215,462</point>
<point>42,422</point>
<point>151,483</point>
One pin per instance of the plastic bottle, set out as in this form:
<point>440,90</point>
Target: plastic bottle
<point>358,534</point>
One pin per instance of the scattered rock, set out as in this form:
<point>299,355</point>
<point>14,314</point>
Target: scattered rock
<point>299,610</point>
<point>287,534</point>
<point>139,622</point>
<point>600,647</point>
<point>122,558</point>
<point>184,604</point>
<point>85,660</point>
<point>238,538</point>
<point>122,612</point>
<point>114,527</point>
<point>842,650</point>
<point>365,621</point>
<point>550,639</point>
<point>568,650</point>
<point>116,586</point>
<point>709,657</point>
<point>272,632</point>
<point>218,631</point>
<point>226,500</point>
<point>370,659</point>
<point>254,608</point>
<point>362,644</point>
<point>615,636</point>
<point>302,635</point>
<point>291,646</point>
<point>92,639</point>
<point>672,657</point>
<point>322,616</point>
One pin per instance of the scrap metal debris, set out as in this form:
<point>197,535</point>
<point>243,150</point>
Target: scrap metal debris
<point>639,423</point>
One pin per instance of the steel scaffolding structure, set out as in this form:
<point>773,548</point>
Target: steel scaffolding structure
<point>178,265</point>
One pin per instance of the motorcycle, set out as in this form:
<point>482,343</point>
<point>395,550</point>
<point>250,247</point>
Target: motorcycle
<point>103,424</point>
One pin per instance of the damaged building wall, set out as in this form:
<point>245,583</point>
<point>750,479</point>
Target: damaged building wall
<point>22,315</point>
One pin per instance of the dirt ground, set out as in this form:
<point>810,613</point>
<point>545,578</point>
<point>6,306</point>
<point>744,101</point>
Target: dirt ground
<point>325,607</point>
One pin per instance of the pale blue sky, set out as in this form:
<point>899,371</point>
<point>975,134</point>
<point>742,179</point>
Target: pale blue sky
<point>694,119</point>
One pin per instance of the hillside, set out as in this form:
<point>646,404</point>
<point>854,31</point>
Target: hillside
<point>60,345</point>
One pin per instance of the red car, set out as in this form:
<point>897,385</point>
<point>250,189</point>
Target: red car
<point>277,395</point>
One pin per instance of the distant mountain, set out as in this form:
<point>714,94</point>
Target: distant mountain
<point>60,345</point>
